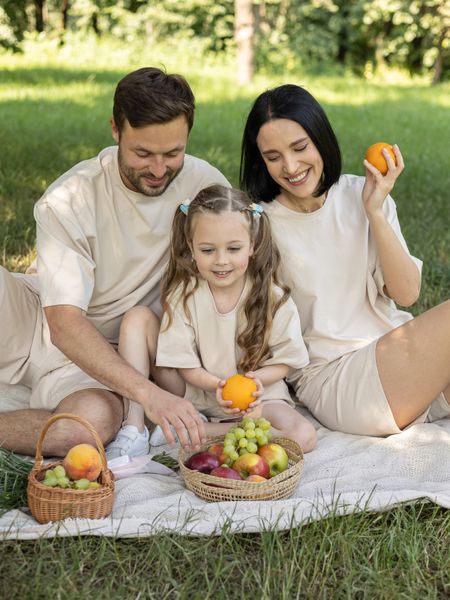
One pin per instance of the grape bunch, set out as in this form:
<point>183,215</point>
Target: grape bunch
<point>246,438</point>
<point>57,477</point>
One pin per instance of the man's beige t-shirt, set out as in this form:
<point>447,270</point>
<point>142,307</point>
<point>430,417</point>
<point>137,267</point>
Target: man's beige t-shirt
<point>331,264</point>
<point>208,339</point>
<point>102,247</point>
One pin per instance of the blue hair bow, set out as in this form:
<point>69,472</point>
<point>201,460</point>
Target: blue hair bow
<point>184,206</point>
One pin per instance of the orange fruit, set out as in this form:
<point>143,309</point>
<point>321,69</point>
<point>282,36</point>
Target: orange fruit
<point>239,389</point>
<point>376,158</point>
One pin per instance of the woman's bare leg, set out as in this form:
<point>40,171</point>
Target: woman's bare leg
<point>414,363</point>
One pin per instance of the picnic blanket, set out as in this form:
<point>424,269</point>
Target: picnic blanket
<point>344,474</point>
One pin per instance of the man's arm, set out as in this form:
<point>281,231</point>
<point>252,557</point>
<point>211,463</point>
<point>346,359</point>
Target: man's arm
<point>82,343</point>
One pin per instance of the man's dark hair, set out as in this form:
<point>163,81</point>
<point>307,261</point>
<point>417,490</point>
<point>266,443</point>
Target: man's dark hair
<point>296,104</point>
<point>149,96</point>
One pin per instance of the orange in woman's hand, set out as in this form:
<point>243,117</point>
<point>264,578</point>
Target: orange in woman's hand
<point>376,158</point>
<point>239,389</point>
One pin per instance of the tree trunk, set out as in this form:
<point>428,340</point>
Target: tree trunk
<point>40,15</point>
<point>65,13</point>
<point>244,32</point>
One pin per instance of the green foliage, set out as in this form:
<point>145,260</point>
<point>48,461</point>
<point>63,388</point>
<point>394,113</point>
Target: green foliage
<point>364,35</point>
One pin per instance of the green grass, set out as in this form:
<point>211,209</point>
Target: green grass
<point>54,111</point>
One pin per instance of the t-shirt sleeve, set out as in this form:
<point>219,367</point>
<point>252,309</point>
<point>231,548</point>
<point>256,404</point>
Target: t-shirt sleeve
<point>286,340</point>
<point>176,344</point>
<point>390,211</point>
<point>64,265</point>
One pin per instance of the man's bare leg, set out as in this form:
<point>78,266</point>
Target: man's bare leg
<point>19,429</point>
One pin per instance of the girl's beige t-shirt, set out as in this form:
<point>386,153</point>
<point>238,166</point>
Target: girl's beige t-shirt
<point>330,262</point>
<point>208,339</point>
<point>102,247</point>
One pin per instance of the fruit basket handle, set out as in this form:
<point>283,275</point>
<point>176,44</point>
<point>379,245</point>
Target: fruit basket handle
<point>38,458</point>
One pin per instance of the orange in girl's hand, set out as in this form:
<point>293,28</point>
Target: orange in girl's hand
<point>239,389</point>
<point>376,158</point>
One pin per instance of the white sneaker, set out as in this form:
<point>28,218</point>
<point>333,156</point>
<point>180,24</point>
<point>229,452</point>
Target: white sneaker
<point>129,441</point>
<point>159,439</point>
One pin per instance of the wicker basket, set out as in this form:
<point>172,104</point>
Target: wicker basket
<point>52,504</point>
<point>219,489</point>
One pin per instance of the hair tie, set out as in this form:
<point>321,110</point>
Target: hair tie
<point>256,209</point>
<point>184,206</point>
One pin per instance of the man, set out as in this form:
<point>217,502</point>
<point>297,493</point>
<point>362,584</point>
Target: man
<point>102,246</point>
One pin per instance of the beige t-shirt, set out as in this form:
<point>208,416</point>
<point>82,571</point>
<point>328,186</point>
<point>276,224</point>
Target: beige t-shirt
<point>102,247</point>
<point>208,340</point>
<point>330,261</point>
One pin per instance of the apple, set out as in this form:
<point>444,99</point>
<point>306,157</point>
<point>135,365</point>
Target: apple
<point>251,464</point>
<point>256,478</point>
<point>275,456</point>
<point>204,462</point>
<point>225,472</point>
<point>217,450</point>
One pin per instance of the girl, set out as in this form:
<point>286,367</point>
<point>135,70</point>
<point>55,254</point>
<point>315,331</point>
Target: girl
<point>374,369</point>
<point>223,312</point>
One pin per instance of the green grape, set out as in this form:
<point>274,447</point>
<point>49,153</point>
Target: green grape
<point>250,425</point>
<point>243,451</point>
<point>49,473</point>
<point>265,425</point>
<point>51,481</point>
<point>243,442</point>
<point>252,447</point>
<point>228,449</point>
<point>59,471</point>
<point>246,421</point>
<point>258,431</point>
<point>239,433</point>
<point>228,461</point>
<point>63,482</point>
<point>230,437</point>
<point>82,484</point>
<point>234,456</point>
<point>259,422</point>
<point>262,440</point>
<point>250,433</point>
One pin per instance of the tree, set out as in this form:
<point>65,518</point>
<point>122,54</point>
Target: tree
<point>244,36</point>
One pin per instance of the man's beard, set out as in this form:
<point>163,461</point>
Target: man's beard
<point>135,178</point>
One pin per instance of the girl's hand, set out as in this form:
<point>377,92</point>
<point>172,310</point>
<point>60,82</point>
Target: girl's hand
<point>377,186</point>
<point>257,394</point>
<point>224,404</point>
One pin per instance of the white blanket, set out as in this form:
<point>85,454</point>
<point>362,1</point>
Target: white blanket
<point>344,474</point>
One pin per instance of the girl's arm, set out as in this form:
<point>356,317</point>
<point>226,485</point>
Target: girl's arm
<point>200,378</point>
<point>401,275</point>
<point>270,374</point>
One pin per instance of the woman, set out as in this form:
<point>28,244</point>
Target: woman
<point>374,369</point>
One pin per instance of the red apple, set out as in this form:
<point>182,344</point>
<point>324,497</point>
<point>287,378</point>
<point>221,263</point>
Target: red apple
<point>251,464</point>
<point>225,472</point>
<point>217,450</point>
<point>203,462</point>
<point>276,457</point>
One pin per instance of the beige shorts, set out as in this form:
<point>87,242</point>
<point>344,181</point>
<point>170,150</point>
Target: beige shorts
<point>27,355</point>
<point>347,395</point>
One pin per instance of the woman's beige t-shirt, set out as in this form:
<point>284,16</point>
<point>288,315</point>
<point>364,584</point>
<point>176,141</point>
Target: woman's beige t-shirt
<point>104,248</point>
<point>208,339</point>
<point>331,264</point>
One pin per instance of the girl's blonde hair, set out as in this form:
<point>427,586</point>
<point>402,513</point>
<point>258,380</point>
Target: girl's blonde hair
<point>261,303</point>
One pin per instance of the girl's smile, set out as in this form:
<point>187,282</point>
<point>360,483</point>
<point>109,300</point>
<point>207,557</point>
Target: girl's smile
<point>293,161</point>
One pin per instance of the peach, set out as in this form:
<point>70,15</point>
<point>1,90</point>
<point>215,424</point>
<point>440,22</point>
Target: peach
<point>83,462</point>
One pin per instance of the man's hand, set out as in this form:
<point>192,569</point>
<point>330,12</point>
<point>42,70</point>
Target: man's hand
<point>165,409</point>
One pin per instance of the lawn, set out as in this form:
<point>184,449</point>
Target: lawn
<point>54,111</point>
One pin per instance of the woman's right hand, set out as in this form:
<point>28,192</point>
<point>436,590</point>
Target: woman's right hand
<point>378,186</point>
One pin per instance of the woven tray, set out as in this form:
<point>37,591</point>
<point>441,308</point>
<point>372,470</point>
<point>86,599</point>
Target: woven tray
<point>218,489</point>
<point>52,504</point>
